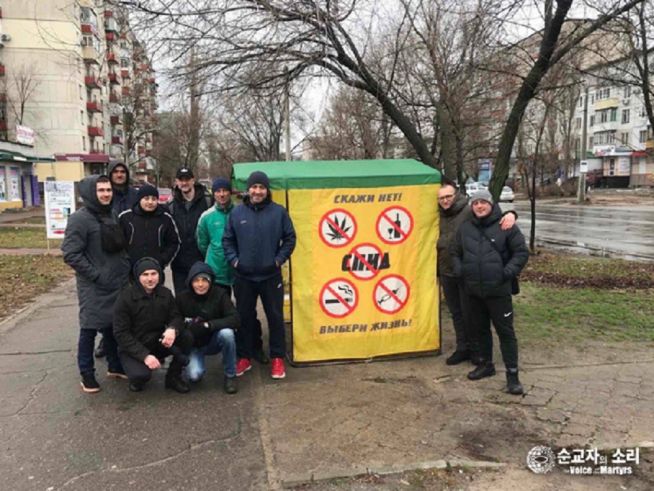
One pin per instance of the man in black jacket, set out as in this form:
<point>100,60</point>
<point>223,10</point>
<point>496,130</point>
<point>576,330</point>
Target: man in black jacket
<point>149,229</point>
<point>94,247</point>
<point>190,200</point>
<point>489,259</point>
<point>148,327</point>
<point>212,319</point>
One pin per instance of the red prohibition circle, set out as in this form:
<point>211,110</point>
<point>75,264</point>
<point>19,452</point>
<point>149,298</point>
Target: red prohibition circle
<point>380,284</point>
<point>383,216</point>
<point>338,297</point>
<point>336,226</point>
<point>373,270</point>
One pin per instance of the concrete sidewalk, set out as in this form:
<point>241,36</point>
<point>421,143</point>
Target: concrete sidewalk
<point>318,423</point>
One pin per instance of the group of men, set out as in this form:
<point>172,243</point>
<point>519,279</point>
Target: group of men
<point>480,255</point>
<point>119,244</point>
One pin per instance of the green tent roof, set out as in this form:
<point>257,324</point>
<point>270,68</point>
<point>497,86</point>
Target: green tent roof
<point>318,174</point>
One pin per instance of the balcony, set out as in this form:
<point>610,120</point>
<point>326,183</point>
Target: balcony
<point>94,107</point>
<point>110,36</point>
<point>125,73</point>
<point>88,28</point>
<point>117,140</point>
<point>111,25</point>
<point>2,70</point>
<point>606,103</point>
<point>90,54</point>
<point>108,13</point>
<point>92,81</point>
<point>114,78</point>
<point>115,120</point>
<point>115,98</point>
<point>111,57</point>
<point>95,131</point>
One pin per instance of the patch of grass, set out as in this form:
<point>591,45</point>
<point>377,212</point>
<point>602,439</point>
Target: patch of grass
<point>25,237</point>
<point>34,220</point>
<point>26,277</point>
<point>578,314</point>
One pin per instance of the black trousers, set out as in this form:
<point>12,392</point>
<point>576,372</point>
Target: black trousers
<point>499,310</point>
<point>139,373</point>
<point>248,337</point>
<point>456,299</point>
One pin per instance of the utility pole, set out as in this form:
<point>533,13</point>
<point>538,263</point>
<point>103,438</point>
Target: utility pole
<point>287,116</point>
<point>581,188</point>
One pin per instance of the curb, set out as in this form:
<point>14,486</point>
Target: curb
<point>388,470</point>
<point>43,300</point>
<point>592,250</point>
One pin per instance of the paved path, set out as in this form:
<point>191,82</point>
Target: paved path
<point>319,422</point>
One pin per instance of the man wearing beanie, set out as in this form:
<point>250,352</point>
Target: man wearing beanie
<point>488,259</point>
<point>259,238</point>
<point>94,247</point>
<point>212,319</point>
<point>148,327</point>
<point>124,194</point>
<point>149,229</point>
<point>210,233</point>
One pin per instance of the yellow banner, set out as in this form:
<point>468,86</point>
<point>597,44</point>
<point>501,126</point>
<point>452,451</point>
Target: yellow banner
<point>363,276</point>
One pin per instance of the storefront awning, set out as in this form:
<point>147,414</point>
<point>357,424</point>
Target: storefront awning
<point>9,156</point>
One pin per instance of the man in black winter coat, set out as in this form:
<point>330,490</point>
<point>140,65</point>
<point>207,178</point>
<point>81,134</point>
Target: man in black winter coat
<point>148,327</point>
<point>190,201</point>
<point>149,229</point>
<point>211,317</point>
<point>489,259</point>
<point>94,247</point>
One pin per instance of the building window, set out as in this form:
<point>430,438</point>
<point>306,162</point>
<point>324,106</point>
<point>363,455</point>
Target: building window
<point>643,112</point>
<point>625,116</point>
<point>590,142</point>
<point>592,120</point>
<point>627,92</point>
<point>84,143</point>
<point>614,114</point>
<point>624,138</point>
<point>642,136</point>
<point>604,116</point>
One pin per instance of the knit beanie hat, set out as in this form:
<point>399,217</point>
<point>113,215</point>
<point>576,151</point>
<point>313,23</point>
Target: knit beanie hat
<point>145,264</point>
<point>483,195</point>
<point>147,190</point>
<point>258,177</point>
<point>221,183</point>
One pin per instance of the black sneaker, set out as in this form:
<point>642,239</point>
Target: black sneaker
<point>261,357</point>
<point>89,384</point>
<point>99,351</point>
<point>486,369</point>
<point>229,385</point>
<point>177,384</point>
<point>134,387</point>
<point>513,385</point>
<point>116,373</point>
<point>458,357</point>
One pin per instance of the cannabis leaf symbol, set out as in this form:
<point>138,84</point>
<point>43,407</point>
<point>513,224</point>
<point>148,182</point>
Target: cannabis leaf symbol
<point>335,234</point>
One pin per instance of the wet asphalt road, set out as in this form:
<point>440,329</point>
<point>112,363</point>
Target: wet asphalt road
<point>618,231</point>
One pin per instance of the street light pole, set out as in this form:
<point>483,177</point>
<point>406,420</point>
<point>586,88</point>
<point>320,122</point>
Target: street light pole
<point>581,188</point>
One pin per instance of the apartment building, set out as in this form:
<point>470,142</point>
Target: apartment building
<point>69,70</point>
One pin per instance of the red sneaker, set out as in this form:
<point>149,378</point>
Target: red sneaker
<point>277,369</point>
<point>242,366</point>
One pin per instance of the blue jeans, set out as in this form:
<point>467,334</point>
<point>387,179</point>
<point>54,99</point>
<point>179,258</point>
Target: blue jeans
<point>86,344</point>
<point>222,340</point>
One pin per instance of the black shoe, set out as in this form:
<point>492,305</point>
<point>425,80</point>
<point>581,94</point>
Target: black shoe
<point>134,387</point>
<point>177,384</point>
<point>89,384</point>
<point>99,351</point>
<point>229,385</point>
<point>476,360</point>
<point>261,357</point>
<point>513,385</point>
<point>458,357</point>
<point>486,369</point>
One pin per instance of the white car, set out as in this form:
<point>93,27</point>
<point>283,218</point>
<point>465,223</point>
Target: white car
<point>507,194</point>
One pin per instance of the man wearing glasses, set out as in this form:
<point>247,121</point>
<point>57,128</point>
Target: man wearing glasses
<point>454,210</point>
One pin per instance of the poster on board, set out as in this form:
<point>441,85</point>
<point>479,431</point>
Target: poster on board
<point>59,204</point>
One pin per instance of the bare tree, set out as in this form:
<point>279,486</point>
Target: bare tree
<point>19,90</point>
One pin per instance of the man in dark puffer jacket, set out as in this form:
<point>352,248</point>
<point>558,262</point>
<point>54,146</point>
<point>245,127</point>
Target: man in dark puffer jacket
<point>488,259</point>
<point>212,319</point>
<point>149,229</point>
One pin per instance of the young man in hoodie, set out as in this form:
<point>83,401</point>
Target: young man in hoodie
<point>212,319</point>
<point>454,210</point>
<point>488,259</point>
<point>149,229</point>
<point>259,238</point>
<point>148,327</point>
<point>94,247</point>
<point>189,202</point>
